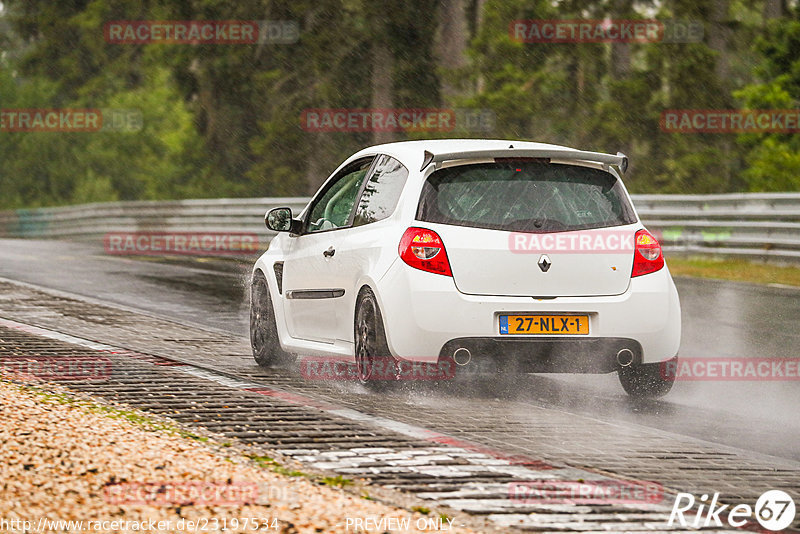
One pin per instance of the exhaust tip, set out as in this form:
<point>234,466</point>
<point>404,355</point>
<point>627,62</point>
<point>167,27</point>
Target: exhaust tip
<point>625,357</point>
<point>462,356</point>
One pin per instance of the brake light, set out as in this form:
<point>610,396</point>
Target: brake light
<point>647,254</point>
<point>423,249</point>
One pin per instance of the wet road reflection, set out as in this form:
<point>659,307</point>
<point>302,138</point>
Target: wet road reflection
<point>719,320</point>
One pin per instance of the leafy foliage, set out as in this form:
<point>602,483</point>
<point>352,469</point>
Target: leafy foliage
<point>224,120</point>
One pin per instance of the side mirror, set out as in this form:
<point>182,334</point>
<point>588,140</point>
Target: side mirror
<point>280,220</point>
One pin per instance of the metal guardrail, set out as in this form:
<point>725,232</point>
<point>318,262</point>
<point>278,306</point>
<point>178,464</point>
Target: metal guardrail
<point>92,222</point>
<point>759,226</point>
<point>763,226</point>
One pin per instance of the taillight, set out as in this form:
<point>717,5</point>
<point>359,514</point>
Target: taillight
<point>647,255</point>
<point>423,249</point>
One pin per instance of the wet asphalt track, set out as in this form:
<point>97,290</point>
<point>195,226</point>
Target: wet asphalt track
<point>719,320</point>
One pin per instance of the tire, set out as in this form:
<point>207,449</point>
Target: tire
<point>647,380</point>
<point>370,344</point>
<point>264,339</point>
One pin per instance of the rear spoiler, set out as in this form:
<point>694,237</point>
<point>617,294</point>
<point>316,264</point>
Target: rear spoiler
<point>620,159</point>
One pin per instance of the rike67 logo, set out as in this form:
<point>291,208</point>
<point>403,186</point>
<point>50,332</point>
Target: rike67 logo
<point>774,510</point>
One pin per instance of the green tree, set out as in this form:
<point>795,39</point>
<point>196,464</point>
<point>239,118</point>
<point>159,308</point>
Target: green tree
<point>773,159</point>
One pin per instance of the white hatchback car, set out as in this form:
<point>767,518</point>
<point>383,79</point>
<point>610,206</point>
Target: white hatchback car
<point>526,255</point>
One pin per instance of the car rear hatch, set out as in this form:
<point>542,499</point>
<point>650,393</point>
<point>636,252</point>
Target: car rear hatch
<point>529,227</point>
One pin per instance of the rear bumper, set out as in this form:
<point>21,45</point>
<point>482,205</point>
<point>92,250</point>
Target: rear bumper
<point>425,315</point>
<point>542,355</point>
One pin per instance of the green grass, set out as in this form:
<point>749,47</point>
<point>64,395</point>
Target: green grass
<point>273,465</point>
<point>153,425</point>
<point>143,421</point>
<point>735,270</point>
<point>147,423</point>
<point>270,463</point>
<point>421,509</point>
<point>338,481</point>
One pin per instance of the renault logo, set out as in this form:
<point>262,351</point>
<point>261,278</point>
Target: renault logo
<point>544,263</point>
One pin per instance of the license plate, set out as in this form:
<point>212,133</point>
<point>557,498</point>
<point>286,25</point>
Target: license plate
<point>577,325</point>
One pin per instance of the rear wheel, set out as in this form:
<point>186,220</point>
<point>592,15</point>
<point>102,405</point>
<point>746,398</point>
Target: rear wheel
<point>376,366</point>
<point>263,328</point>
<point>648,380</point>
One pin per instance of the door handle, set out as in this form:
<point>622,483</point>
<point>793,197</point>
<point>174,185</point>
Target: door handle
<point>329,253</point>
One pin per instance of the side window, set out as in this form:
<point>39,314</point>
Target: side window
<point>333,208</point>
<point>381,192</point>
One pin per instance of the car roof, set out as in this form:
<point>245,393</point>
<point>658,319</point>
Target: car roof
<point>412,153</point>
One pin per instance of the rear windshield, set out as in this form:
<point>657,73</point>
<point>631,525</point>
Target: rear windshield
<point>525,197</point>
